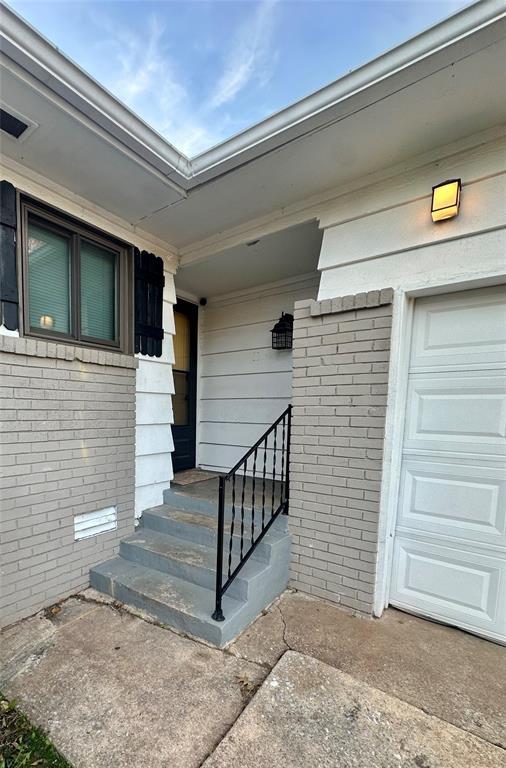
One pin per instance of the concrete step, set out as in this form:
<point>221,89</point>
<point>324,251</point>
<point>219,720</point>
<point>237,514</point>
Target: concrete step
<point>172,601</point>
<point>201,528</point>
<point>167,569</point>
<point>189,561</point>
<point>207,503</point>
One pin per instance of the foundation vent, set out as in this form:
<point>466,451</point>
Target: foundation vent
<point>93,523</point>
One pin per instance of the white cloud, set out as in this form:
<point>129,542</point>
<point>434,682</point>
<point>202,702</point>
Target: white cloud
<point>248,59</point>
<point>141,70</point>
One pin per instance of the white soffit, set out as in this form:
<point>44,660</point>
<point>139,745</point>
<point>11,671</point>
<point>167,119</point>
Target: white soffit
<point>289,253</point>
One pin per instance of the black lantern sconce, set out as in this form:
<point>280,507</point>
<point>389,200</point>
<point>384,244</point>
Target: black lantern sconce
<point>282,333</point>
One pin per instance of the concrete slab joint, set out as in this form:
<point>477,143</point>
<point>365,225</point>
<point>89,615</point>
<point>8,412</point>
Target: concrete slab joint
<point>341,355</point>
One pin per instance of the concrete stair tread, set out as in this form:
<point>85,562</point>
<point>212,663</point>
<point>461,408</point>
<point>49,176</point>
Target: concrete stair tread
<point>209,522</point>
<point>167,568</point>
<point>169,512</point>
<point>187,552</point>
<point>179,595</point>
<point>179,499</point>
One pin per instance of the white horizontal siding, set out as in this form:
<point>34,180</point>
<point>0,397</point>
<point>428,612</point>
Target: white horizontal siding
<point>150,437</point>
<point>231,454</point>
<point>391,241</point>
<point>244,384</point>
<point>249,385</point>
<point>228,340</point>
<point>241,411</point>
<point>154,407</point>
<point>153,439</point>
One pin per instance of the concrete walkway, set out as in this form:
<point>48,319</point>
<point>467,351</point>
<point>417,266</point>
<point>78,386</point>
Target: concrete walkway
<point>455,676</point>
<point>114,690</point>
<point>309,714</point>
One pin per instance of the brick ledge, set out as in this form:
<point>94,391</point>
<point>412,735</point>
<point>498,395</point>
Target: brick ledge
<point>347,303</point>
<point>50,349</point>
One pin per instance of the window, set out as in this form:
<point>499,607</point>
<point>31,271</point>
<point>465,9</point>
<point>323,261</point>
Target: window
<point>76,282</point>
<point>181,368</point>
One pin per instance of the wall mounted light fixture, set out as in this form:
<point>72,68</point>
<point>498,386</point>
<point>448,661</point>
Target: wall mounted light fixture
<point>282,333</point>
<point>46,321</point>
<point>446,200</point>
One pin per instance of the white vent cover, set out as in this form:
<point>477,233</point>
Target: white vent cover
<point>92,523</point>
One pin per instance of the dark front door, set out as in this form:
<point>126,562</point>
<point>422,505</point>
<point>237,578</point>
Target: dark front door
<point>184,400</point>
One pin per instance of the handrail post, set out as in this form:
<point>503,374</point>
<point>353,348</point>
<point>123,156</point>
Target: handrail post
<point>288,440</point>
<point>218,613</point>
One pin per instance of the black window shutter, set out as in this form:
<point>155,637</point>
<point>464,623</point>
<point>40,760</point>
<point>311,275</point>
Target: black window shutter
<point>149,283</point>
<point>9,300</point>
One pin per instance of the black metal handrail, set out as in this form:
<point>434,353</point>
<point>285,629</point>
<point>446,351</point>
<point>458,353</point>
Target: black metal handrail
<point>266,506</point>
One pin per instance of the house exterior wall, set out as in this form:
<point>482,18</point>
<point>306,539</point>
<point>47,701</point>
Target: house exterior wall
<point>153,436</point>
<point>154,383</point>
<point>383,235</point>
<point>67,411</point>
<point>340,371</point>
<point>375,239</point>
<point>67,448</point>
<point>244,384</point>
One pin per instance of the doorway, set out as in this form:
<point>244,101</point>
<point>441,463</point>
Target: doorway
<point>184,399</point>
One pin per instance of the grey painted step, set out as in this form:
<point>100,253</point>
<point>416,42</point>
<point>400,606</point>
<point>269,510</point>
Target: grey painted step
<point>179,499</point>
<point>201,528</point>
<point>188,560</point>
<point>175,602</point>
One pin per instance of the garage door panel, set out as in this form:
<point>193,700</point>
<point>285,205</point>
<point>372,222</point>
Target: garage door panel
<point>463,501</point>
<point>449,551</point>
<point>459,585</point>
<point>470,328</point>
<point>457,413</point>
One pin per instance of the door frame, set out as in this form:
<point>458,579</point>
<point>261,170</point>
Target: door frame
<point>402,325</point>
<point>192,310</point>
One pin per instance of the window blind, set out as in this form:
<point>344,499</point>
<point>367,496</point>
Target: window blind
<point>98,292</point>
<point>49,279</point>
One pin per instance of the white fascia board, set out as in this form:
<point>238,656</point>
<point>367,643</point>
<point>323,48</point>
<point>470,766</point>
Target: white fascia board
<point>22,43</point>
<point>465,22</point>
<point>28,48</point>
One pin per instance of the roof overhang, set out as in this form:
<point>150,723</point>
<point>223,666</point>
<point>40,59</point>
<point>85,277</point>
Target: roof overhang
<point>397,100</point>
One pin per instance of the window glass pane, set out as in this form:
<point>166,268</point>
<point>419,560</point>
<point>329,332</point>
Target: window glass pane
<point>48,279</point>
<point>98,292</point>
<point>182,342</point>
<point>180,398</point>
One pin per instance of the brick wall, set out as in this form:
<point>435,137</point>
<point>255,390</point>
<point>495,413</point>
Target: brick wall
<point>340,373</point>
<point>67,437</point>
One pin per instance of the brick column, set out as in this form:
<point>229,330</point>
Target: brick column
<point>341,353</point>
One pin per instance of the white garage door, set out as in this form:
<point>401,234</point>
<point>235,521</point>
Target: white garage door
<point>450,541</point>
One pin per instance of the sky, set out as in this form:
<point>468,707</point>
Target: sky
<point>199,71</point>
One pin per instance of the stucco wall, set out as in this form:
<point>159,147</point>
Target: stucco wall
<point>244,384</point>
<point>67,434</point>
